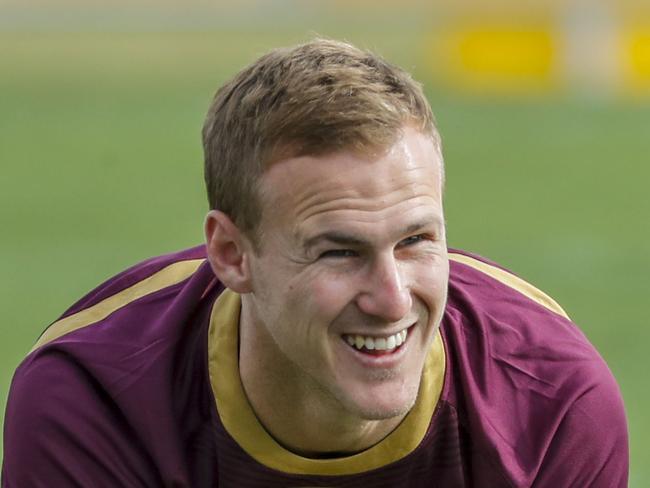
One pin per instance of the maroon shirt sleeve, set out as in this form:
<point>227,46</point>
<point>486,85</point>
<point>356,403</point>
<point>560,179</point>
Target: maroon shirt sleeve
<point>61,430</point>
<point>536,399</point>
<point>113,403</point>
<point>590,446</point>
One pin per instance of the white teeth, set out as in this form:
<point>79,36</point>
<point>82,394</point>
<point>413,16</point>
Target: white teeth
<point>377,343</point>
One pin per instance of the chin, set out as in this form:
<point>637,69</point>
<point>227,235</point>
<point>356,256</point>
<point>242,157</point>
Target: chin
<point>382,405</point>
<point>384,413</point>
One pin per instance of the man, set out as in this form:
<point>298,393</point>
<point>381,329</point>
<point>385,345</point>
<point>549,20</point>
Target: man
<point>324,335</point>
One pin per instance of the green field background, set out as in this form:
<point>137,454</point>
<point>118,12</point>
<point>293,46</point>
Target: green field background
<point>101,166</point>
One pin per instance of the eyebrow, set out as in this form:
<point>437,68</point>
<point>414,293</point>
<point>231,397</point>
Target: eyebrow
<point>346,239</point>
<point>340,238</point>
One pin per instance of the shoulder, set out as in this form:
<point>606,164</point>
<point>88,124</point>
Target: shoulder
<point>124,324</point>
<point>98,395</point>
<point>168,268</point>
<point>488,280</point>
<point>521,375</point>
<point>129,290</point>
<point>490,307</point>
<point>496,316</point>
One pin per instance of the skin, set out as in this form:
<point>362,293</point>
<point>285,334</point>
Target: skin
<point>352,244</point>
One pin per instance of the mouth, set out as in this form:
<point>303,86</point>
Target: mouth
<point>377,345</point>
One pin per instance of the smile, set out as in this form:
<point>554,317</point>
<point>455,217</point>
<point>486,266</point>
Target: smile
<point>374,343</point>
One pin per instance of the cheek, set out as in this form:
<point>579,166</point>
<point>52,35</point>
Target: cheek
<point>431,282</point>
<point>310,308</point>
<point>331,295</point>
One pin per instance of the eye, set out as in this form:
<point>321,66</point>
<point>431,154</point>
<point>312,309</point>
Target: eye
<point>410,241</point>
<point>338,253</point>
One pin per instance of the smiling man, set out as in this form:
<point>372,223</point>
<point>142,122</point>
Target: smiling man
<point>324,335</point>
<point>342,302</point>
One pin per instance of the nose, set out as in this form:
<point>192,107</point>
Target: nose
<point>384,292</point>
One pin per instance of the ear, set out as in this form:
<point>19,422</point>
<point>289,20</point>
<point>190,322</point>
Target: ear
<point>227,250</point>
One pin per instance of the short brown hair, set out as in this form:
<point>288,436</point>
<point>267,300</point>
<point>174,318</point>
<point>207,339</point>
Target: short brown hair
<point>312,99</point>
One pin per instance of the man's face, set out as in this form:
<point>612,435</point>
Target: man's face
<point>353,259</point>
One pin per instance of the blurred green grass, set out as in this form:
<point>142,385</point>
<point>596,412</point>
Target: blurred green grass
<point>101,166</point>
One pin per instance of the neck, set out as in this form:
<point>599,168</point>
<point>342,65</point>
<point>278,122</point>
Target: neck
<point>293,408</point>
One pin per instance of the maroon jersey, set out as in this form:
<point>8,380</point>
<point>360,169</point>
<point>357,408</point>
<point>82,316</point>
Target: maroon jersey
<point>137,385</point>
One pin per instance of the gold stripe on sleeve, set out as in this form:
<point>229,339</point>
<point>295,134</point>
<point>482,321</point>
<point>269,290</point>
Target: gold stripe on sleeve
<point>512,281</point>
<point>170,275</point>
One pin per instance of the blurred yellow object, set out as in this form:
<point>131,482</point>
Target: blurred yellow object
<point>499,57</point>
<point>636,47</point>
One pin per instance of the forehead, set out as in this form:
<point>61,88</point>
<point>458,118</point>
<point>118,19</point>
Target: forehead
<point>347,188</point>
